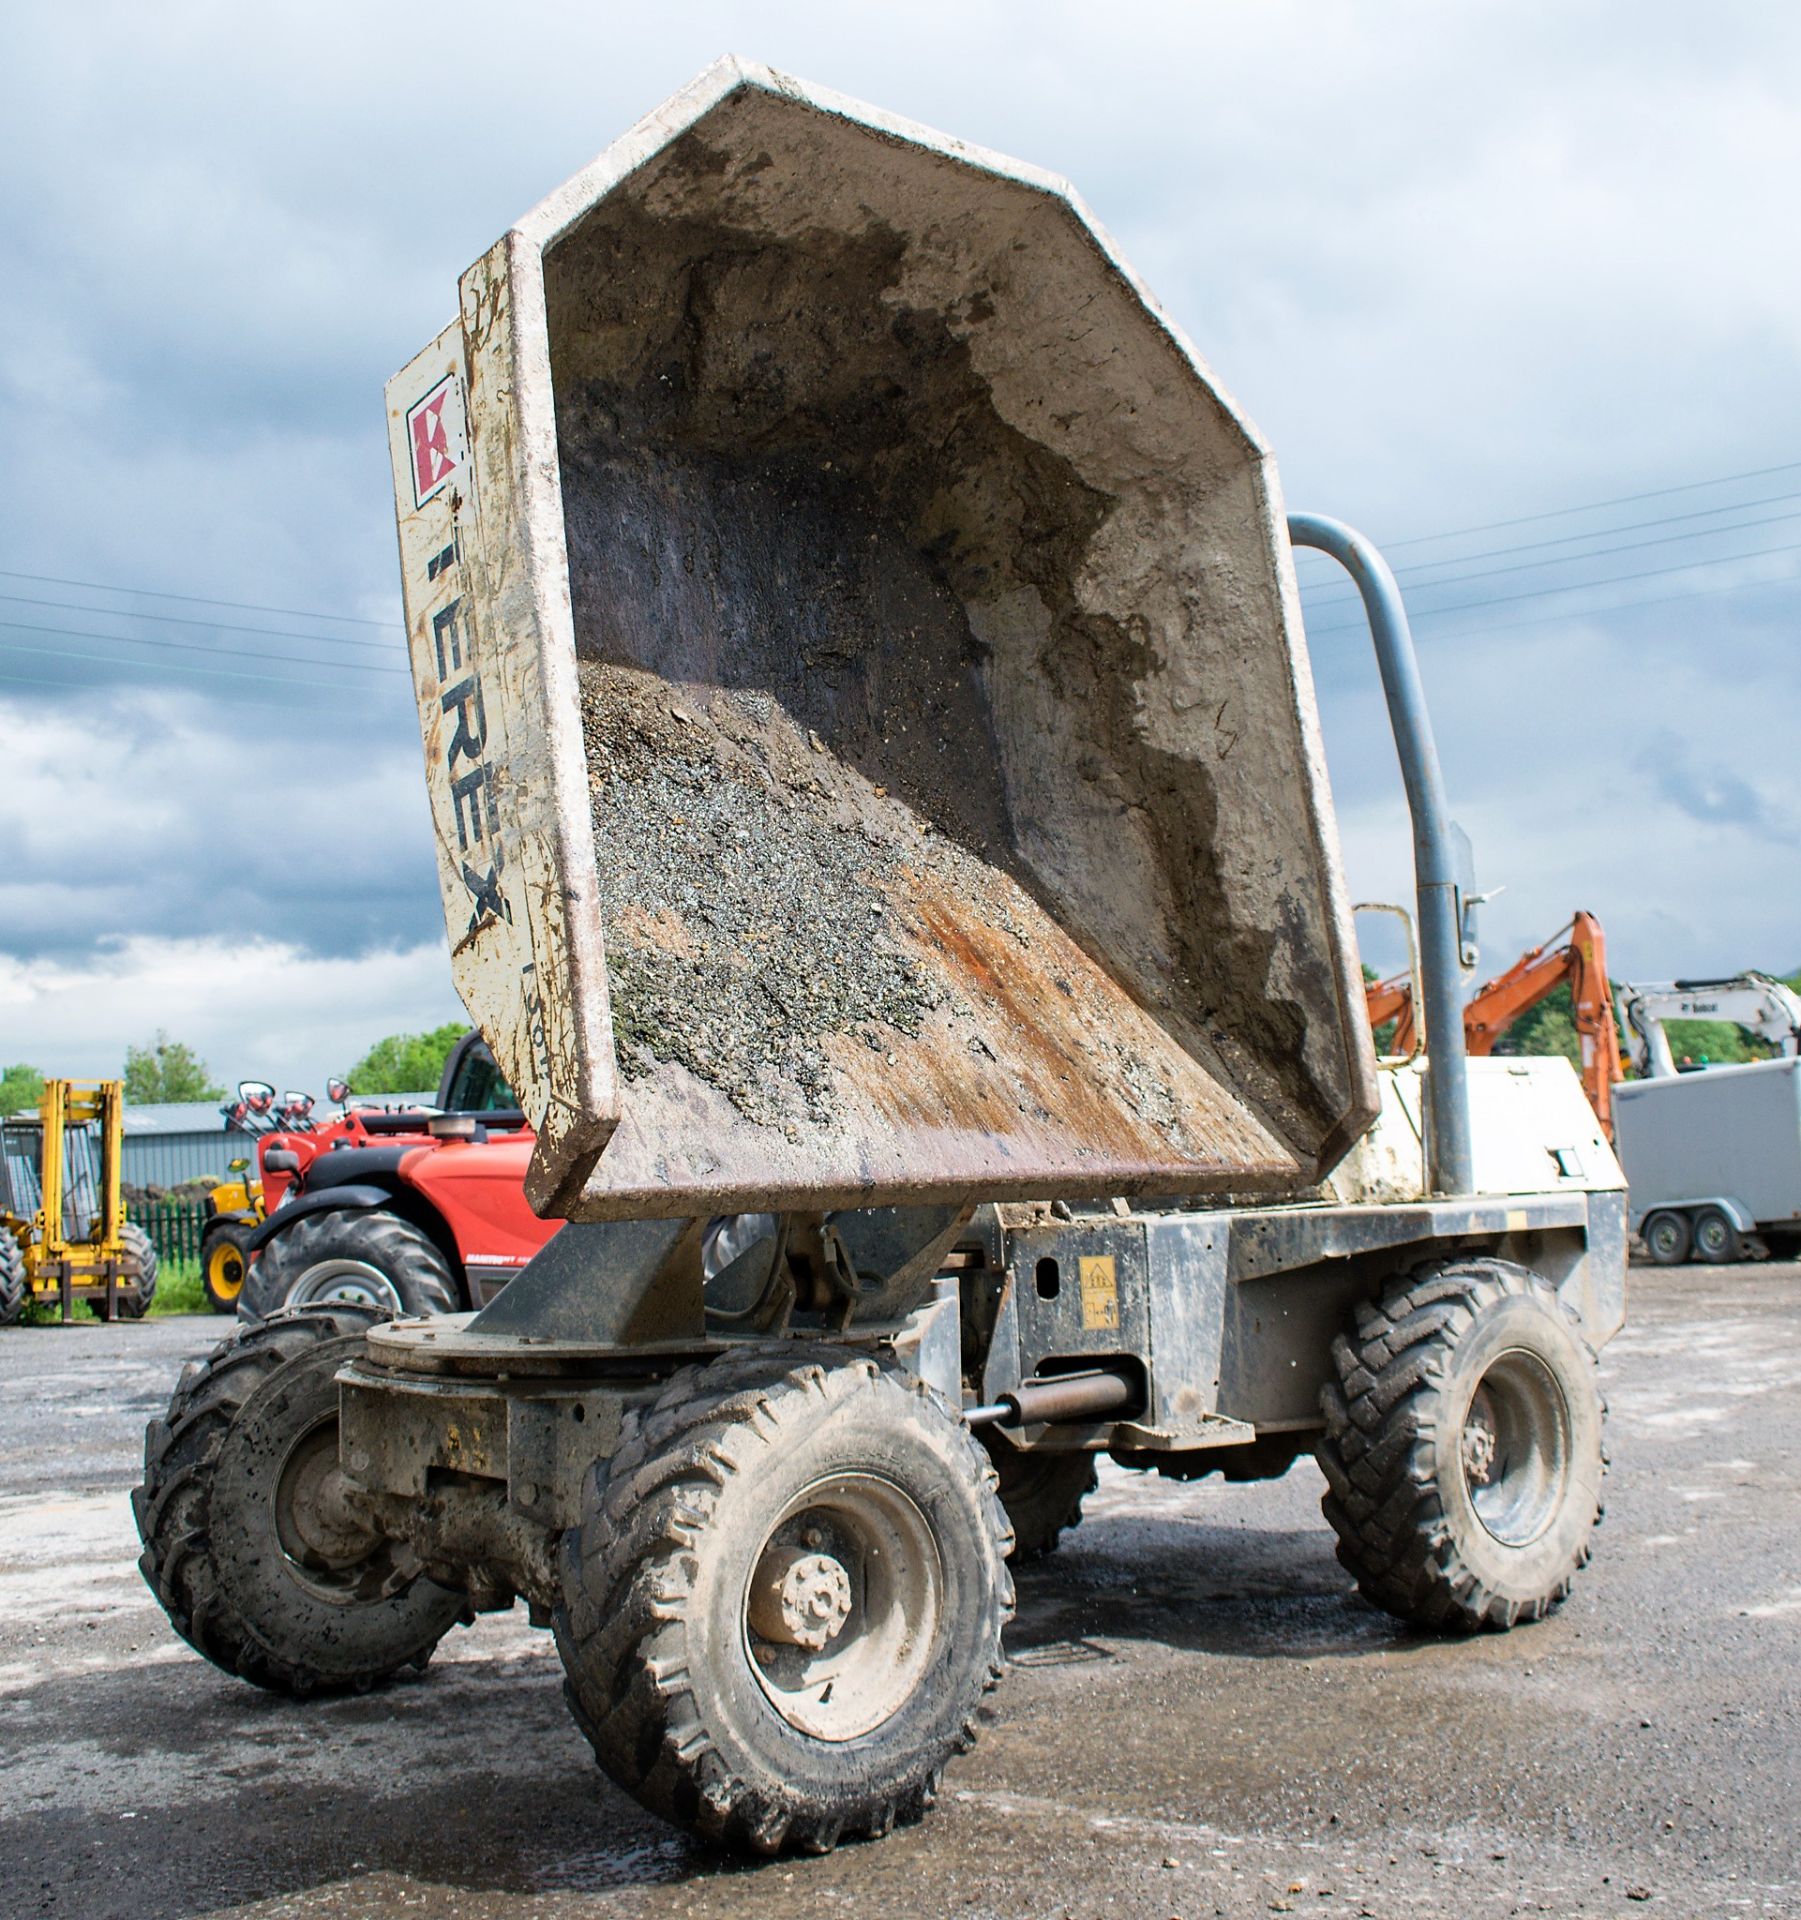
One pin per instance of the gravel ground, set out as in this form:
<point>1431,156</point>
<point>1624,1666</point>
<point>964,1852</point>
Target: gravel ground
<point>1201,1720</point>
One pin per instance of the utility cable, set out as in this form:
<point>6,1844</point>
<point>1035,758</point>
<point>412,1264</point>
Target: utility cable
<point>201,600</point>
<point>194,646</point>
<point>188,620</point>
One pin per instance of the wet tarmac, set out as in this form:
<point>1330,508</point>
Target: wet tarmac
<point>1201,1719</point>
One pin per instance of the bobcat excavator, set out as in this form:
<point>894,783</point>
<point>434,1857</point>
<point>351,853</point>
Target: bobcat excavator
<point>1576,954</point>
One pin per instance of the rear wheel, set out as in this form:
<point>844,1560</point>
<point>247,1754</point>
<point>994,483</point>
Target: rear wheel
<point>223,1264</point>
<point>350,1257</point>
<point>1042,1493</point>
<point>261,1562</point>
<point>14,1293</point>
<point>1717,1241</point>
<point>1463,1447</point>
<point>1666,1238</point>
<point>784,1601</point>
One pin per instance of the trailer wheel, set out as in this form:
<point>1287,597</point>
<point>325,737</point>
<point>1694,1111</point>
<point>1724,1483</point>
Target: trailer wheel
<point>352,1257</point>
<point>1042,1493</point>
<point>1463,1447</point>
<point>784,1600</point>
<point>140,1264</point>
<point>1666,1238</point>
<point>1717,1241</point>
<point>223,1264</point>
<point>249,1544</point>
<point>14,1293</point>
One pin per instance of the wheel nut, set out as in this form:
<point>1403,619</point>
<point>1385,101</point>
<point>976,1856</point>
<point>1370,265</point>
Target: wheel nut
<point>799,1599</point>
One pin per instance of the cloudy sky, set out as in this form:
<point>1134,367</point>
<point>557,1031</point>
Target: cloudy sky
<point>1513,285</point>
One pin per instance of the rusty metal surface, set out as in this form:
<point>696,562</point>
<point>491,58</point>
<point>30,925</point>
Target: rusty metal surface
<point>871,745</point>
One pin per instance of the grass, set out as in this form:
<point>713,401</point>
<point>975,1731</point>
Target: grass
<point>178,1290</point>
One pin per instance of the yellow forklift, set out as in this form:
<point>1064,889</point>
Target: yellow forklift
<point>64,1237</point>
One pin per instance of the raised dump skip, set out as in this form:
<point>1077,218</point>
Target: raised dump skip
<point>818,511</point>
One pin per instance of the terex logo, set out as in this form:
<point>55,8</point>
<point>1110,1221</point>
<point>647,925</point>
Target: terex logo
<point>438,434</point>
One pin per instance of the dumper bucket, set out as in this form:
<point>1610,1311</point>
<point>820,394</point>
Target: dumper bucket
<point>870,742</point>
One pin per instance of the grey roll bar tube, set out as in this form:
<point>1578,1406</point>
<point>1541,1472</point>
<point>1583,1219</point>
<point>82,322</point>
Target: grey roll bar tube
<point>1450,1160</point>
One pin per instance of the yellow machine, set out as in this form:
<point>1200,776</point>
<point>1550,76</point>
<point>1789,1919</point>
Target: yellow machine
<point>234,1211</point>
<point>66,1238</point>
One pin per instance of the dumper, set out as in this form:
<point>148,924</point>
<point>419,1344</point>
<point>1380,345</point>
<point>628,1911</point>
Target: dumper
<point>884,837</point>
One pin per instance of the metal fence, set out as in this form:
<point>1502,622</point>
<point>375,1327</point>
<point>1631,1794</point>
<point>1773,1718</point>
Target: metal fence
<point>174,1226</point>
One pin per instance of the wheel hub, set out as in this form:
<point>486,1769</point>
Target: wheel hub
<point>844,1606</point>
<point>1515,1448</point>
<point>350,1282</point>
<point>799,1598</point>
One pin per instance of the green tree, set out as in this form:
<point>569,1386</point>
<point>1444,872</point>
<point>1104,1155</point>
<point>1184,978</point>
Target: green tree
<point>167,1070</point>
<point>20,1087</point>
<point>406,1062</point>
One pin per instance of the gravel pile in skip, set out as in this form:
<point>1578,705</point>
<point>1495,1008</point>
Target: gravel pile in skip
<point>741,895</point>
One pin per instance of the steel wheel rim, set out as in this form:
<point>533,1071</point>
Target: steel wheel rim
<point>328,1548</point>
<point>1666,1235</point>
<point>353,1283</point>
<point>225,1271</point>
<point>1713,1234</point>
<point>874,1533</point>
<point>1516,1451</point>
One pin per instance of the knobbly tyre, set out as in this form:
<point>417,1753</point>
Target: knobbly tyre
<point>878,803</point>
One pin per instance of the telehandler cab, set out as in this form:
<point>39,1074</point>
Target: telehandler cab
<point>884,837</point>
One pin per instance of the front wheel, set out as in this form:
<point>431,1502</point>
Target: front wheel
<point>15,1292</point>
<point>351,1257</point>
<point>138,1276</point>
<point>784,1601</point>
<point>223,1264</point>
<point>1666,1238</point>
<point>251,1543</point>
<point>1463,1447</point>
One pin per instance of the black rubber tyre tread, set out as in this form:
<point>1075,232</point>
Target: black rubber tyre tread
<point>141,1262</point>
<point>408,1256</point>
<point>15,1295</point>
<point>630,1566</point>
<point>236,1232</point>
<point>1684,1247</point>
<point>172,1505</point>
<point>1732,1248</point>
<point>1380,1448</point>
<point>1042,1493</point>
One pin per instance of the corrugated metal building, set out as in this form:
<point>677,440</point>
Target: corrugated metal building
<point>166,1145</point>
<point>186,1139</point>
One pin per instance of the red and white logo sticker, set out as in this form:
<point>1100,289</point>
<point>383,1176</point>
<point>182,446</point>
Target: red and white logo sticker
<point>437,432</point>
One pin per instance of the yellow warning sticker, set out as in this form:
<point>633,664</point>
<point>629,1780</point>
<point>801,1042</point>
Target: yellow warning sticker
<point>1100,1292</point>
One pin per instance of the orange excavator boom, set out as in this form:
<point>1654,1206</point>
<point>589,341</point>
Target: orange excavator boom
<point>1577,954</point>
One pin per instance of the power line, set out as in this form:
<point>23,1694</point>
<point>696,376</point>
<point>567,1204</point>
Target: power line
<point>1789,582</point>
<point>188,620</point>
<point>191,646</point>
<point>169,666</point>
<point>201,600</point>
<point>1581,586</point>
<point>1595,506</point>
<point>1601,553</point>
<point>1330,588</point>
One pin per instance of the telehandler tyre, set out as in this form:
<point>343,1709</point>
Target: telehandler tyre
<point>140,1269</point>
<point>1043,1494</point>
<point>14,1294</point>
<point>1463,1447</point>
<point>224,1264</point>
<point>353,1257</point>
<point>248,1542</point>
<point>784,1601</point>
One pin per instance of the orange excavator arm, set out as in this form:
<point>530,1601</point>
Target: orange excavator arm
<point>1581,959</point>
